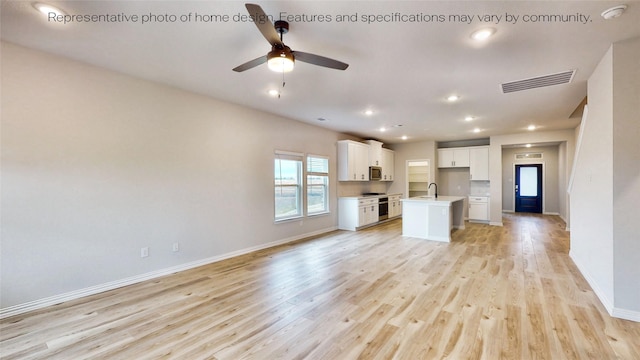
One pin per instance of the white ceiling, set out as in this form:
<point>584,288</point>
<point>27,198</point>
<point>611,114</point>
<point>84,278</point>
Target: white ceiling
<point>401,71</point>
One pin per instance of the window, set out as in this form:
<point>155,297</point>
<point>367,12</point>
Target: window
<point>293,178</point>
<point>288,186</point>
<point>317,185</point>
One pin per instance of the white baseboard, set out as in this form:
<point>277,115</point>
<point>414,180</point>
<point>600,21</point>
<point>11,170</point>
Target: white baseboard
<point>76,294</point>
<point>551,213</point>
<point>496,223</point>
<point>606,302</point>
<point>626,314</point>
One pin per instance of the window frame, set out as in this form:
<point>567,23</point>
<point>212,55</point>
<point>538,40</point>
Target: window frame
<point>299,186</point>
<point>302,185</point>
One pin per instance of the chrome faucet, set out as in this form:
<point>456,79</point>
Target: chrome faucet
<point>436,188</point>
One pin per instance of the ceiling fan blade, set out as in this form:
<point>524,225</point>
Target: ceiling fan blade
<point>251,64</point>
<point>264,24</point>
<point>319,60</point>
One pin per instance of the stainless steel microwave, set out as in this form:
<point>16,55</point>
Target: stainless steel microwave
<point>375,173</point>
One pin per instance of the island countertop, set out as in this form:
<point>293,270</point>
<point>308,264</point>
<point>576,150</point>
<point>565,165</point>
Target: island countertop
<point>441,200</point>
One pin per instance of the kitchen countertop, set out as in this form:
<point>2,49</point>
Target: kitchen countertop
<point>368,196</point>
<point>441,200</point>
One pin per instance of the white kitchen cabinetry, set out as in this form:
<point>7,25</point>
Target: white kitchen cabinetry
<point>388,164</point>
<point>453,157</point>
<point>395,206</point>
<point>353,161</point>
<point>479,163</point>
<point>479,208</point>
<point>367,211</point>
<point>375,153</point>
<point>354,212</point>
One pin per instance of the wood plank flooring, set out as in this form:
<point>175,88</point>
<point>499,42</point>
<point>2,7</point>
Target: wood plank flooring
<point>493,293</point>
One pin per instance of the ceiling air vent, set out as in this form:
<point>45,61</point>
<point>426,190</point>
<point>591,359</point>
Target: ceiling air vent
<point>540,81</point>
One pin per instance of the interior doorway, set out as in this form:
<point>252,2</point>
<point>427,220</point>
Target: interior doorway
<point>528,188</point>
<point>418,176</point>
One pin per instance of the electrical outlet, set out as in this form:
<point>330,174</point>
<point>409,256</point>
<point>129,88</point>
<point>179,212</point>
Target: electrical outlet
<point>176,247</point>
<point>144,252</point>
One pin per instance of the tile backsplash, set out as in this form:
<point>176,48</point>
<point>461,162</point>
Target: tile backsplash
<point>479,188</point>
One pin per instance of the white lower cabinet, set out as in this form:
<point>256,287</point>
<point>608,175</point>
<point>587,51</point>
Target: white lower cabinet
<point>479,208</point>
<point>356,212</point>
<point>367,212</point>
<point>395,206</point>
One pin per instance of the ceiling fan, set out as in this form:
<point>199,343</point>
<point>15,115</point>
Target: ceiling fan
<point>281,58</point>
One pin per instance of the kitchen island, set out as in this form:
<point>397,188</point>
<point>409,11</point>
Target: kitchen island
<point>431,218</point>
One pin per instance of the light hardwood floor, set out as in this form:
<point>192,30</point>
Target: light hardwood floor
<point>493,293</point>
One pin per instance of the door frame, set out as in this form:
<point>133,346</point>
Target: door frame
<point>406,173</point>
<point>513,183</point>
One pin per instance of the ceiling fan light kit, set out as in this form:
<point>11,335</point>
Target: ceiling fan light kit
<point>281,58</point>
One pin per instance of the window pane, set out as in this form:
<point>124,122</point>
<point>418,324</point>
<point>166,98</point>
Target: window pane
<point>287,202</point>
<point>287,172</point>
<point>317,194</point>
<point>528,181</point>
<point>317,165</point>
<point>288,185</point>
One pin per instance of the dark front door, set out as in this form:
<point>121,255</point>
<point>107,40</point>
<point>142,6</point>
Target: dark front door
<point>529,188</point>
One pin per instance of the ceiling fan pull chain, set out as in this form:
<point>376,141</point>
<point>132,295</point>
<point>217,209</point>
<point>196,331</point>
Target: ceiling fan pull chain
<point>283,83</point>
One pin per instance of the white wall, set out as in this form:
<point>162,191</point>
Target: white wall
<point>626,175</point>
<point>606,187</point>
<point>591,194</point>
<point>96,165</point>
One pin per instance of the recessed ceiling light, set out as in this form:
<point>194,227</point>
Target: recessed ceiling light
<point>274,92</point>
<point>469,118</point>
<point>528,145</point>
<point>476,130</point>
<point>531,127</point>
<point>368,112</point>
<point>453,98</point>
<point>382,129</point>
<point>613,12</point>
<point>404,137</point>
<point>46,9</point>
<point>483,34</point>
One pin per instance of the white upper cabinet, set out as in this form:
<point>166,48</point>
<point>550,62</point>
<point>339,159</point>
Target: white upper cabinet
<point>375,153</point>
<point>388,164</point>
<point>479,163</point>
<point>453,157</point>
<point>353,161</point>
